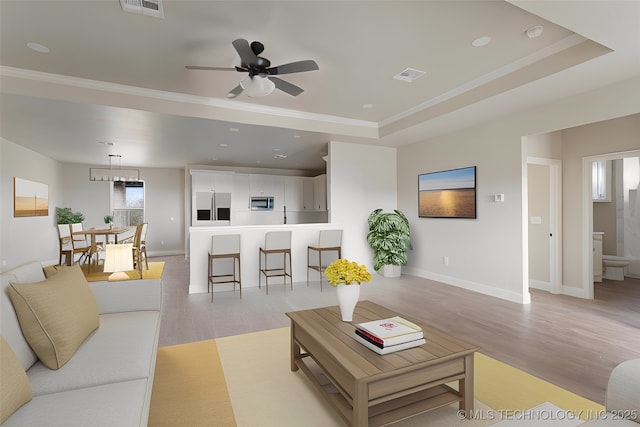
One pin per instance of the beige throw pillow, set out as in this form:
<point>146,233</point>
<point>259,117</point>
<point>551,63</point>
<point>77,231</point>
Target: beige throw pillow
<point>56,315</point>
<point>15,389</point>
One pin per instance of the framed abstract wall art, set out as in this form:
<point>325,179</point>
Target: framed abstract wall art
<point>447,194</point>
<point>30,198</point>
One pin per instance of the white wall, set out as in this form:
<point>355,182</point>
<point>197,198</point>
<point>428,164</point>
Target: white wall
<point>164,201</point>
<point>484,253</point>
<point>29,238</point>
<point>362,179</point>
<point>36,238</point>
<point>489,254</point>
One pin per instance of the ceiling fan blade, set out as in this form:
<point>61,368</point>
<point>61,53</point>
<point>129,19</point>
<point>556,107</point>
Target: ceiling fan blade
<point>294,67</point>
<point>287,87</point>
<point>195,67</point>
<point>235,92</point>
<point>247,56</point>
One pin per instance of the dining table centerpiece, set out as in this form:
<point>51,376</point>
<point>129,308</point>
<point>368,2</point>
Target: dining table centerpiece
<point>346,276</point>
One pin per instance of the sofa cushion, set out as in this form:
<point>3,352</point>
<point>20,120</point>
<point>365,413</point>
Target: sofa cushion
<point>9,326</point>
<point>109,405</point>
<point>122,349</point>
<point>15,390</point>
<point>56,315</point>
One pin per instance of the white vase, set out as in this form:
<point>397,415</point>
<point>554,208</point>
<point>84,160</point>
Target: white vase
<point>348,298</point>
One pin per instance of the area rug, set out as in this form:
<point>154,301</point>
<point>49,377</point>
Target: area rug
<point>245,380</point>
<point>154,272</point>
<point>189,387</point>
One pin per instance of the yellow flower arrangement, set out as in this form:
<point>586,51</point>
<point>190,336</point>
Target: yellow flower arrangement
<point>347,272</point>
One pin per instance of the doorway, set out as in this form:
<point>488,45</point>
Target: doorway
<point>544,213</point>
<point>587,211</point>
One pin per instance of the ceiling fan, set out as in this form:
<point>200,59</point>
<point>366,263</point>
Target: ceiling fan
<point>260,81</point>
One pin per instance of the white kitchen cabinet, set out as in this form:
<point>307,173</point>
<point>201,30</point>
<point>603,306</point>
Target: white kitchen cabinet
<point>307,194</point>
<point>203,181</point>
<point>293,193</point>
<point>320,193</point>
<point>240,199</point>
<point>262,185</point>
<point>278,193</point>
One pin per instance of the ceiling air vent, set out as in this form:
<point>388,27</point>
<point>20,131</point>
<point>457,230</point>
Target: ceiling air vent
<point>145,7</point>
<point>409,75</point>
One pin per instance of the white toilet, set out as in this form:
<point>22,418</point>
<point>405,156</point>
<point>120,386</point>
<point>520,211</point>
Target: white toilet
<point>615,267</point>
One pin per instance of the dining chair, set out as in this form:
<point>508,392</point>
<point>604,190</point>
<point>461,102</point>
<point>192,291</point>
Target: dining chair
<point>275,243</point>
<point>224,246</point>
<point>68,246</point>
<point>143,243</point>
<point>328,241</point>
<point>139,250</point>
<point>84,241</point>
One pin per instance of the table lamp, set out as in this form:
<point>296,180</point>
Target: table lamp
<point>117,260</point>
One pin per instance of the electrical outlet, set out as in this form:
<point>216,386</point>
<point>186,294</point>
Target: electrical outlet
<point>445,260</point>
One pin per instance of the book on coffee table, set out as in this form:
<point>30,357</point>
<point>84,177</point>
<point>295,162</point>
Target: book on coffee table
<point>378,342</point>
<point>390,331</point>
<point>391,348</point>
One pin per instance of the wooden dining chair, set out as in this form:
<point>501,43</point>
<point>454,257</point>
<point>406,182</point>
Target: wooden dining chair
<point>68,247</point>
<point>83,241</point>
<point>140,249</point>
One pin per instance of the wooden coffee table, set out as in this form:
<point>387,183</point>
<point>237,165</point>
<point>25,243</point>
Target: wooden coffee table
<point>370,389</point>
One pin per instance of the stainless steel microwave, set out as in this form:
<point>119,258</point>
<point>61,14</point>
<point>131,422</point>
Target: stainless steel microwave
<point>261,203</point>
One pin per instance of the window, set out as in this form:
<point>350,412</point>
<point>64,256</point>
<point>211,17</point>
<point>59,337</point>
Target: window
<point>128,203</point>
<point>601,180</point>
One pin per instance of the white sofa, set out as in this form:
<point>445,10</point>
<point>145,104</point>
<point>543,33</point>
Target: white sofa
<point>109,378</point>
<point>622,400</point>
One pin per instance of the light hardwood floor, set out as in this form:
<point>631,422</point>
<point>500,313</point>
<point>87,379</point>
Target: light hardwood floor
<point>571,342</point>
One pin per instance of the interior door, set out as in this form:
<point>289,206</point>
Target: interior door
<point>544,220</point>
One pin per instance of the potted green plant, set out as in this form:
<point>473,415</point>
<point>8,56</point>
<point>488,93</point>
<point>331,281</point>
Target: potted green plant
<point>67,216</point>
<point>389,237</point>
<point>108,219</point>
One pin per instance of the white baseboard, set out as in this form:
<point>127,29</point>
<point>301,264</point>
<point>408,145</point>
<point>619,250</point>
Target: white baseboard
<point>471,286</point>
<point>572,291</point>
<point>165,253</point>
<point>539,284</point>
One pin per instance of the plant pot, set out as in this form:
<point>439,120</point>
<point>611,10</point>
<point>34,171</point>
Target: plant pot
<point>391,271</point>
<point>347,299</point>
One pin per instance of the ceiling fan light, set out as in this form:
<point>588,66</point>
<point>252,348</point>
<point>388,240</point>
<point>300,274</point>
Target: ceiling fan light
<point>257,86</point>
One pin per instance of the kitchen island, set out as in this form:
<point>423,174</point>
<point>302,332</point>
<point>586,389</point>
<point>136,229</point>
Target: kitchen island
<point>251,239</point>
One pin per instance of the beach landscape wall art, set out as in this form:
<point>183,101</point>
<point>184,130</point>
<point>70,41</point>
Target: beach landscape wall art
<point>30,198</point>
<point>447,194</point>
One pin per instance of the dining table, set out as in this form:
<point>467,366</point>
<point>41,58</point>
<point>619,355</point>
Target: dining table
<point>106,232</point>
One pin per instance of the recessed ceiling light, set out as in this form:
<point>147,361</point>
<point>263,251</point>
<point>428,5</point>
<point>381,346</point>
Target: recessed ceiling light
<point>234,130</point>
<point>276,149</point>
<point>481,41</point>
<point>367,106</point>
<point>297,136</point>
<point>38,47</point>
<point>534,32</point>
<point>224,145</point>
<point>409,75</point>
<point>280,156</point>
